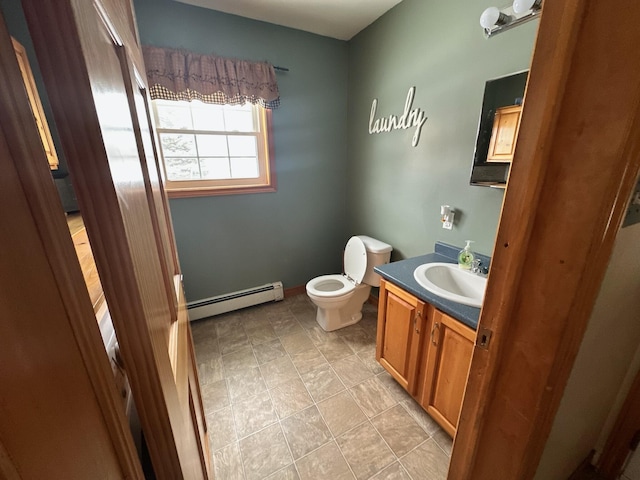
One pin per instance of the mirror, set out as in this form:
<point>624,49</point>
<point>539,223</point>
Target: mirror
<point>502,96</point>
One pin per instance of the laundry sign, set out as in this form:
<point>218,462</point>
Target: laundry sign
<point>410,118</point>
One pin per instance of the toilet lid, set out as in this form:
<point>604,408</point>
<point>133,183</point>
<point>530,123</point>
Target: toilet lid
<point>355,259</point>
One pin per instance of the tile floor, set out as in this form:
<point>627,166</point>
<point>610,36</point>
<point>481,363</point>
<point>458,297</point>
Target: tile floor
<point>286,400</point>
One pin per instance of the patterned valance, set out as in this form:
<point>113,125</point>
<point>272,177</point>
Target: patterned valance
<point>182,75</point>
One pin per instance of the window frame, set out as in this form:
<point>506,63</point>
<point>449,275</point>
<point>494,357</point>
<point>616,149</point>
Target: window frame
<point>266,182</point>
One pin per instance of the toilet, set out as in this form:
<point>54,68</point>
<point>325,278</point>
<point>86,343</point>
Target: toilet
<point>340,297</point>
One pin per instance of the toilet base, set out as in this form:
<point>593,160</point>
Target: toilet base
<point>331,319</point>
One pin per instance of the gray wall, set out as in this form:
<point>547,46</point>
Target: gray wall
<point>395,190</point>
<point>226,243</point>
<point>334,179</point>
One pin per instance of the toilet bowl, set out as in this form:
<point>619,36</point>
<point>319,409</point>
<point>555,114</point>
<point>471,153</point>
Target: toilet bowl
<point>340,297</point>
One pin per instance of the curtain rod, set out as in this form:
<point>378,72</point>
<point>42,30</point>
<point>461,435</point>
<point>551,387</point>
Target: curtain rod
<point>280,69</point>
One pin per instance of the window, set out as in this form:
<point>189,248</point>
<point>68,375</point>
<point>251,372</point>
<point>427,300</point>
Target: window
<point>210,149</point>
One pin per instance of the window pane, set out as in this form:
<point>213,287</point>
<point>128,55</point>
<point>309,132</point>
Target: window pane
<point>178,145</point>
<point>174,115</point>
<point>212,145</point>
<point>244,167</point>
<point>208,117</point>
<point>215,168</point>
<point>182,168</point>
<point>241,146</point>
<point>239,119</point>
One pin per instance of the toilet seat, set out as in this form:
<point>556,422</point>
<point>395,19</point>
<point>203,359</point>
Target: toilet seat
<point>336,286</point>
<point>355,260</point>
<point>330,286</point>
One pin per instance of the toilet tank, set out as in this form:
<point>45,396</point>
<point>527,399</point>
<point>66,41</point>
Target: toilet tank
<point>378,253</point>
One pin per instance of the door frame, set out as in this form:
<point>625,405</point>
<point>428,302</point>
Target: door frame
<point>574,168</point>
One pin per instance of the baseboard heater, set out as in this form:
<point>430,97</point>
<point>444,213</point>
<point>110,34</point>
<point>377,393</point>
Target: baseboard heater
<point>235,301</point>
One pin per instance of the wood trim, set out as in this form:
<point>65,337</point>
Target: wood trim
<point>48,214</point>
<point>576,162</point>
<point>271,149</point>
<point>36,105</point>
<point>616,450</point>
<point>212,192</point>
<point>299,290</point>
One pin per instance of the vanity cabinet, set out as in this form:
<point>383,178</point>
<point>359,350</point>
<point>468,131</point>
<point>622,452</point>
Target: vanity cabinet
<point>445,369</point>
<point>504,134</point>
<point>401,319</point>
<point>426,351</point>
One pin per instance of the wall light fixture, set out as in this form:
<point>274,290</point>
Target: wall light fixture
<point>495,20</point>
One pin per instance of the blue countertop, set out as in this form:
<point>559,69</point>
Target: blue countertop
<point>401,274</point>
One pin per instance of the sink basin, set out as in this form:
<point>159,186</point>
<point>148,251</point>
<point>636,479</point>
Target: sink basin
<point>449,281</point>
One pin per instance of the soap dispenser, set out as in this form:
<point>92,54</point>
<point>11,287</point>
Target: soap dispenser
<point>466,256</point>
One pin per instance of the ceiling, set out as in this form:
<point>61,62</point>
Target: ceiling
<point>341,19</point>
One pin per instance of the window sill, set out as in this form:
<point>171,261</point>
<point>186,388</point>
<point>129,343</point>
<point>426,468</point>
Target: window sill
<point>210,192</point>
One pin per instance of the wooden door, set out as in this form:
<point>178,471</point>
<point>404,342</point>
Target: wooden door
<point>447,367</point>
<point>400,321</point>
<point>61,416</point>
<point>95,77</point>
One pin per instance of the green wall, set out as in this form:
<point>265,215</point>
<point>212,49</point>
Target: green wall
<point>334,179</point>
<point>227,243</point>
<point>395,190</point>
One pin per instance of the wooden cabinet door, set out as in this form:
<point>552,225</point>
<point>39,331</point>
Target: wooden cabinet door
<point>95,78</point>
<point>504,134</point>
<point>400,323</point>
<point>447,366</point>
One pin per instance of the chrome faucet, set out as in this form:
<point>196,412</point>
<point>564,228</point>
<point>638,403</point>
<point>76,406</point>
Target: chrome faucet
<point>478,269</point>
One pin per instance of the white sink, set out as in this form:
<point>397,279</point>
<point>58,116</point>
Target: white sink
<point>449,281</point>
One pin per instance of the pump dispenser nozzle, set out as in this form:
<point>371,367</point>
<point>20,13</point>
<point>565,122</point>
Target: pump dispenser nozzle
<point>466,256</point>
